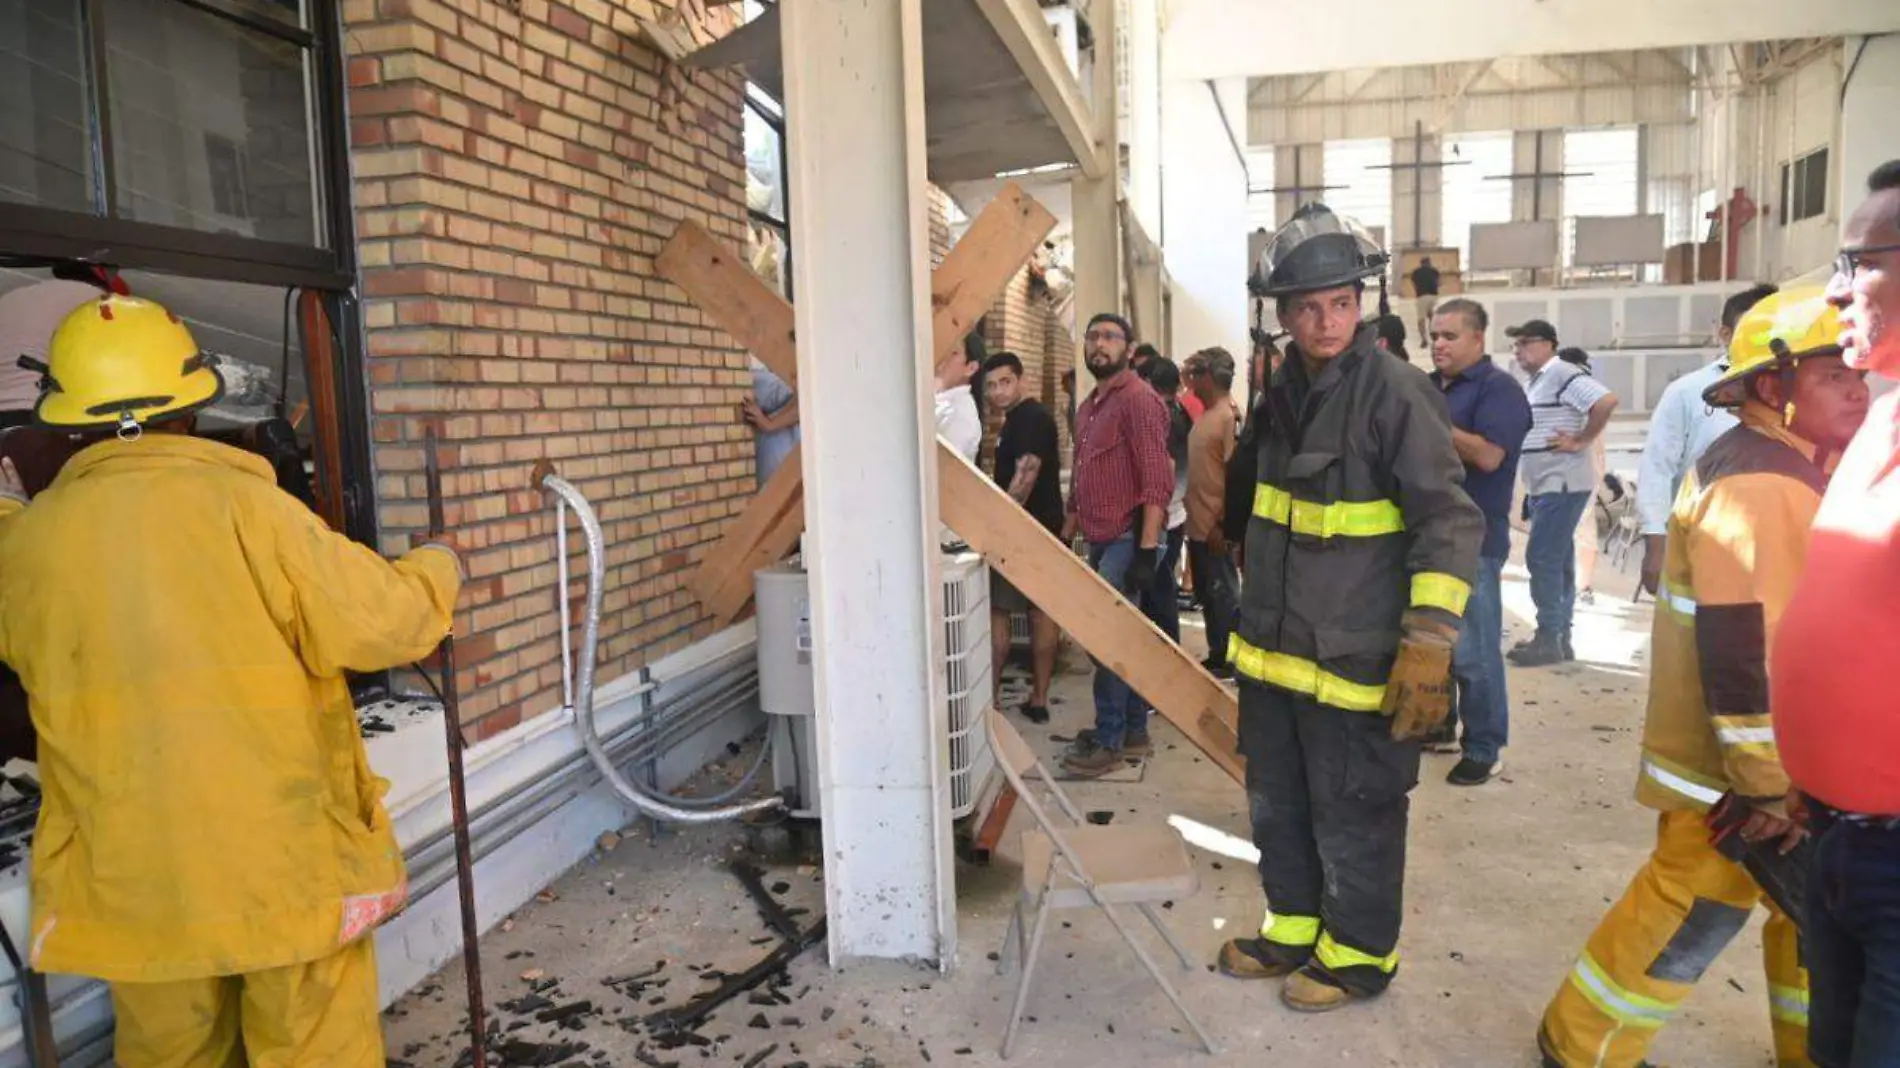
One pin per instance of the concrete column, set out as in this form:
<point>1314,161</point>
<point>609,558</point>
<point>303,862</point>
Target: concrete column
<point>1144,113</point>
<point>1097,224</point>
<point>854,99</point>
<point>1206,208</point>
<point>1870,121</point>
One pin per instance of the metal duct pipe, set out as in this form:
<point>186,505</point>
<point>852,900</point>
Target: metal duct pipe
<point>663,726</point>
<point>584,676</point>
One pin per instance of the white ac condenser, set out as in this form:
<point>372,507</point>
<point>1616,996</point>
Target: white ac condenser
<point>782,596</point>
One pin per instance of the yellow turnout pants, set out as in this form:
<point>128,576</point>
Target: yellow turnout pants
<point>1645,956</point>
<point>317,1015</point>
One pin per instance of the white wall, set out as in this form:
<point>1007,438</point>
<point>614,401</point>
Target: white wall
<point>1870,115</point>
<point>1224,38</point>
<point>1204,205</point>
<point>1143,132</point>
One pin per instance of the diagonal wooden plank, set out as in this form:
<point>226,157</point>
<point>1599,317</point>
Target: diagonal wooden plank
<point>778,540</point>
<point>997,244</point>
<point>783,488</point>
<point>963,288</point>
<point>1103,622</point>
<point>719,282</point>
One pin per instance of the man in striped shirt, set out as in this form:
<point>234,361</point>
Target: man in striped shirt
<point>1569,410</point>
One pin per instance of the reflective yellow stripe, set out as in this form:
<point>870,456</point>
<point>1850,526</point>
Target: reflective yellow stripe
<point>1676,600</point>
<point>1753,734</point>
<point>1434,589</point>
<point>1616,1001</point>
<point>1302,677</point>
<point>1701,789</point>
<point>1788,1004</point>
<point>1349,519</point>
<point>1334,955</point>
<point>1290,930</point>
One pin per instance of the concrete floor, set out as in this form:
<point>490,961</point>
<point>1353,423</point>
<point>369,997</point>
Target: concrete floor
<point>1505,882</point>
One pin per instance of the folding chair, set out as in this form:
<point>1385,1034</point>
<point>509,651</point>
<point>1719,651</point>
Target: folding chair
<point>1081,865</point>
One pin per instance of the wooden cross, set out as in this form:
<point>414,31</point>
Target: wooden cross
<point>1105,624</point>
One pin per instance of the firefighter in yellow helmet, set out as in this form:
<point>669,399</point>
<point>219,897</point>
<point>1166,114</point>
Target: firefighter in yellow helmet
<point>211,840</point>
<point>1737,541</point>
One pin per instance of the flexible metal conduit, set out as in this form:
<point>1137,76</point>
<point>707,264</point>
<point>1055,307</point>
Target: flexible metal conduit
<point>566,496</point>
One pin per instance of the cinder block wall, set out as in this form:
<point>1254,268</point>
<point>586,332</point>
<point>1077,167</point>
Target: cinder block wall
<point>519,165</point>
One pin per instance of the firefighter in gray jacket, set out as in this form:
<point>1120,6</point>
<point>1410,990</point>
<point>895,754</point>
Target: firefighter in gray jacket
<point>1358,561</point>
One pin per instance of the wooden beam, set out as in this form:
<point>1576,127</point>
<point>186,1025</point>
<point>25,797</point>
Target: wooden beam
<point>783,488</point>
<point>1025,34</point>
<point>1113,631</point>
<point>997,244</point>
<point>776,542</point>
<point>999,241</point>
<point>718,280</point>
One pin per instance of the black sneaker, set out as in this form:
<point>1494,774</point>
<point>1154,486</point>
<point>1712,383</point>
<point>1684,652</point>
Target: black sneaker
<point>1570,651</point>
<point>1220,669</point>
<point>1469,772</point>
<point>1541,651</point>
<point>1036,713</point>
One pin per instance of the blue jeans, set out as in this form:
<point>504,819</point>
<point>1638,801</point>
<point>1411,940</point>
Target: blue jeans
<point>1551,557</point>
<point>1852,944</point>
<point>1118,709</point>
<point>1478,665</point>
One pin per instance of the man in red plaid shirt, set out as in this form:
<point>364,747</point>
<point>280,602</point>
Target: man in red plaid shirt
<point>1118,499</point>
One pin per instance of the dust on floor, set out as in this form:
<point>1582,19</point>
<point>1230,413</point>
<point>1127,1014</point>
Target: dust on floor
<point>1505,882</point>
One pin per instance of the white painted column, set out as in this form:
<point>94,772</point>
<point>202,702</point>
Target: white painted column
<point>1097,223</point>
<point>1870,114</point>
<point>1144,113</point>
<point>1205,202</point>
<point>854,100</point>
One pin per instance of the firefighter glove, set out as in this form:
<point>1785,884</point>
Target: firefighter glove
<point>1141,572</point>
<point>1418,692</point>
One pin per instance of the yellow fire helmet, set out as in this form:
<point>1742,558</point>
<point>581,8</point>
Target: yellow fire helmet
<point>1781,330</point>
<point>121,363</point>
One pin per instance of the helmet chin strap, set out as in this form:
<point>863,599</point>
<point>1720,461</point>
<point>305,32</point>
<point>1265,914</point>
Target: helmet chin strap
<point>129,428</point>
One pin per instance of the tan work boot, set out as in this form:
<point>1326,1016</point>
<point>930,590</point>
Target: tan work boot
<point>1306,991</point>
<point>1137,744</point>
<point>1089,760</point>
<point>1253,958</point>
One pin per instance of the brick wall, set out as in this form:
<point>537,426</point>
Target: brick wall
<point>1023,321</point>
<point>519,164</point>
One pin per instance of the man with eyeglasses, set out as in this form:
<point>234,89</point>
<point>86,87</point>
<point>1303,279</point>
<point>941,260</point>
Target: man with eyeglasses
<point>1837,710</point>
<point>1119,491</point>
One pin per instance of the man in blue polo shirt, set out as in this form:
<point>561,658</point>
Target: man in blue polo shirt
<point>1490,417</point>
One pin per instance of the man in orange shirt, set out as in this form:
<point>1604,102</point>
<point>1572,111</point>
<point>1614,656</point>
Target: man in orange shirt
<point>1837,708</point>
<point>1210,375</point>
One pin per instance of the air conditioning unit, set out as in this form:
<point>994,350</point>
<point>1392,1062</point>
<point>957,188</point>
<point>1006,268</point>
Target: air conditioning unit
<point>782,595</point>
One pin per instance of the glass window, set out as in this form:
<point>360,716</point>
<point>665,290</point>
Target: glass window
<point>45,127</point>
<point>1804,187</point>
<point>1261,210</point>
<point>764,181</point>
<point>210,124</point>
<point>1475,190</point>
<point>1603,163</point>
<point>1364,193</point>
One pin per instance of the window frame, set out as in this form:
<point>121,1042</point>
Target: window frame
<point>783,227</point>
<point>101,237</point>
<point>1799,184</point>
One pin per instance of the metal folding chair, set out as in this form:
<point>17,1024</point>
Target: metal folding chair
<point>1079,865</point>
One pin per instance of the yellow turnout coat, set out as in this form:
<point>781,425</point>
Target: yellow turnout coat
<point>182,627</point>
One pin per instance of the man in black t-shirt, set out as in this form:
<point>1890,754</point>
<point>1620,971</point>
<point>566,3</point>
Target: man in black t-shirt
<point>1029,468</point>
<point>1425,288</point>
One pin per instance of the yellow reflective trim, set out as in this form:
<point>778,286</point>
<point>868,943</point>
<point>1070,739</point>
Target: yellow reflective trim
<point>1615,1000</point>
<point>1677,600</point>
<point>1788,1004</point>
<point>1434,589</point>
<point>1348,519</point>
<point>1302,676</point>
<point>1334,955</point>
<point>1290,930</point>
<point>1695,786</point>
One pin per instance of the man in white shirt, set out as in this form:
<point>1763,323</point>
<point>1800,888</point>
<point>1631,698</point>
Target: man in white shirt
<point>957,418</point>
<point>1681,428</point>
<point>1569,410</point>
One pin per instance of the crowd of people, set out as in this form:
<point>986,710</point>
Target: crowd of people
<point>1346,533</point>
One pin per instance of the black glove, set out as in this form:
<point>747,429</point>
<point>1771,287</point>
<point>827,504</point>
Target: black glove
<point>1141,572</point>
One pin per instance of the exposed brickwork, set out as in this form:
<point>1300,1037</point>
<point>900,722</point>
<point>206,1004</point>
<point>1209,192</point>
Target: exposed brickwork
<point>518,167</point>
<point>1024,321</point>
